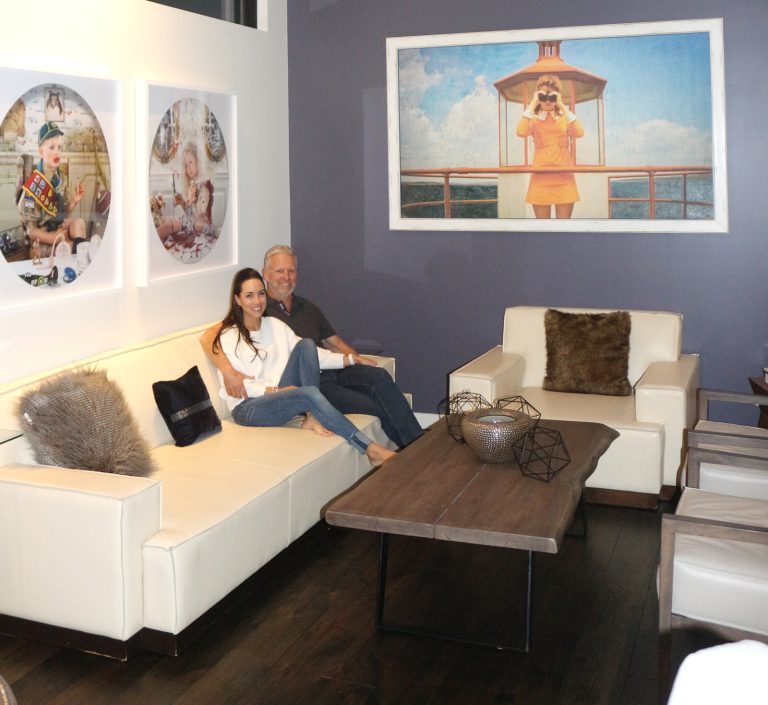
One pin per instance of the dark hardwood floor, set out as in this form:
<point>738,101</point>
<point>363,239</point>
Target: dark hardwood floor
<point>307,634</point>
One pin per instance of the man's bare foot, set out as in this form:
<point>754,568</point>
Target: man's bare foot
<point>378,454</point>
<point>312,424</point>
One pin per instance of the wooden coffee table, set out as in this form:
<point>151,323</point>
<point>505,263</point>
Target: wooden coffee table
<point>437,488</point>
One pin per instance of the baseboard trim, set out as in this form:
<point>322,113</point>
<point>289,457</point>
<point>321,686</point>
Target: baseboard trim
<point>70,638</point>
<point>621,498</point>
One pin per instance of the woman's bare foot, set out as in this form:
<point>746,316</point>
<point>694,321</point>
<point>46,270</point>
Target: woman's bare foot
<point>312,424</point>
<point>378,454</point>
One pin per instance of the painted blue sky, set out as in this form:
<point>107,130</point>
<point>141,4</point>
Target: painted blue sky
<point>657,100</point>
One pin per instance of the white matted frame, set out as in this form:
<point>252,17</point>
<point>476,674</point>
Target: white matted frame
<point>84,99</point>
<point>154,178</point>
<point>651,97</point>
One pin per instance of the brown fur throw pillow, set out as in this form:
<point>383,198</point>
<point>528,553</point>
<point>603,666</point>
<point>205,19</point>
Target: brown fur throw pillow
<point>587,352</point>
<point>81,420</point>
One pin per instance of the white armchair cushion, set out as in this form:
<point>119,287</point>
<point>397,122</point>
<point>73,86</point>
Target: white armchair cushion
<point>718,580</point>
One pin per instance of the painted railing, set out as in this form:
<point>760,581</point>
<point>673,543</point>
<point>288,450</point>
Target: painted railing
<point>618,173</point>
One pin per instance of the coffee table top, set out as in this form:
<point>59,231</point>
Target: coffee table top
<point>438,488</point>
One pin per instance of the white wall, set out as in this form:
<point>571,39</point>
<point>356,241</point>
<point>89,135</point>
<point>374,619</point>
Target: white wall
<point>133,41</point>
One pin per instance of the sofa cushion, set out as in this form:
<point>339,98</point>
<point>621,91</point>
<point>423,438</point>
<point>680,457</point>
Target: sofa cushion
<point>587,353</point>
<point>80,419</point>
<point>186,407</point>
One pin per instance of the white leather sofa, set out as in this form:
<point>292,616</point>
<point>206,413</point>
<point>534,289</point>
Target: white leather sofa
<point>648,454</point>
<point>109,562</point>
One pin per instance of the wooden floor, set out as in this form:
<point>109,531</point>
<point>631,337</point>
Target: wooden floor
<point>308,636</point>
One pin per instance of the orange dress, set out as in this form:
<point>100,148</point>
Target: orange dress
<point>550,144</point>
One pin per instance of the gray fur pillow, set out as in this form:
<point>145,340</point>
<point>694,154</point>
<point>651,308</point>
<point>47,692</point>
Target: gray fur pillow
<point>81,420</point>
<point>587,352</point>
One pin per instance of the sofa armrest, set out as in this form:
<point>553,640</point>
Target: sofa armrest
<point>666,394</point>
<point>668,389</point>
<point>71,547</point>
<point>388,363</point>
<point>493,375</point>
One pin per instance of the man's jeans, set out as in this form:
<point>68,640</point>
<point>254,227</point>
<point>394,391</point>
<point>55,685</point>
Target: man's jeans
<point>302,371</point>
<point>364,389</point>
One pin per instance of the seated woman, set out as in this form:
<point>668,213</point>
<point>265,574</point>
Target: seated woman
<point>282,370</point>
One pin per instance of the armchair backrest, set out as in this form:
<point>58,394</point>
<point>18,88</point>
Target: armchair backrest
<point>656,336</point>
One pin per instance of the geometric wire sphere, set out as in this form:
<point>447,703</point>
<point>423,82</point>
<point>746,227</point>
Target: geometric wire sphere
<point>454,408</point>
<point>543,454</point>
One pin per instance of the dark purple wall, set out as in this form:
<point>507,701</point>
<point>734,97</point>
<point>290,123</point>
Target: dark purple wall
<point>436,299</point>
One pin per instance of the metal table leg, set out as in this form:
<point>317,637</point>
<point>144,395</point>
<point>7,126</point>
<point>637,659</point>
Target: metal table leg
<point>421,631</point>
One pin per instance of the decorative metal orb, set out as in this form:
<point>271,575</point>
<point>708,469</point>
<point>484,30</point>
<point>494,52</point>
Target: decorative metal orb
<point>454,407</point>
<point>492,433</point>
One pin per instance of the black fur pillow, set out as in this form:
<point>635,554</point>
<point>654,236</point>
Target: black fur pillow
<point>81,420</point>
<point>587,352</point>
<point>186,407</point>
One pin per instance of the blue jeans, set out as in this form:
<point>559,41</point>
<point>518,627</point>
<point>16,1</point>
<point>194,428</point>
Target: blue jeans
<point>302,371</point>
<point>363,389</point>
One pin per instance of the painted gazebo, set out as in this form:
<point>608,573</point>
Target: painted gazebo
<point>582,93</point>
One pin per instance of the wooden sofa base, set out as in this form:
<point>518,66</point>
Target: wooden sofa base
<point>70,638</point>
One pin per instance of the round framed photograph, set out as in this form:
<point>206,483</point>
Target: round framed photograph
<point>189,180</point>
<point>52,140</point>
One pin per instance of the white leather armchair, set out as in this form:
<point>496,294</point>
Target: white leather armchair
<point>713,569</point>
<point>742,476</point>
<point>652,421</point>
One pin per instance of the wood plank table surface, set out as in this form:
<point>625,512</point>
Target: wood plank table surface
<point>438,488</point>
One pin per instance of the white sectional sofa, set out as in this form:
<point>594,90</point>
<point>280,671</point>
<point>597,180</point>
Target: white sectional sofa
<point>108,562</point>
<point>652,420</point>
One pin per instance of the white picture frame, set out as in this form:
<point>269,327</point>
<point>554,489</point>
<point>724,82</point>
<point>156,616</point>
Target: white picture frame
<point>440,107</point>
<point>91,109</point>
<point>154,103</point>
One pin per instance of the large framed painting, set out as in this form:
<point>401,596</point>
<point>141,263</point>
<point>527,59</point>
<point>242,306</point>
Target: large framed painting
<point>599,128</point>
<point>60,232</point>
<point>187,181</point>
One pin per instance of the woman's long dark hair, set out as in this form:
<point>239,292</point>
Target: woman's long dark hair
<point>234,317</point>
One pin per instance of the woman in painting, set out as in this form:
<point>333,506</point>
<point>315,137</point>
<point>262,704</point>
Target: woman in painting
<point>282,370</point>
<point>552,126</point>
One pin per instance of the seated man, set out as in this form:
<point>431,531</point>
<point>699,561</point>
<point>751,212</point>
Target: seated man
<point>360,388</point>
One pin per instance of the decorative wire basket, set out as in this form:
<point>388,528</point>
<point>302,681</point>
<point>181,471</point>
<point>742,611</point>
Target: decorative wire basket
<point>543,454</point>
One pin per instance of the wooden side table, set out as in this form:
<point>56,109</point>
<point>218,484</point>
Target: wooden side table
<point>760,386</point>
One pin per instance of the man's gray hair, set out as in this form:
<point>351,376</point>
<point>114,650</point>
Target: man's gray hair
<point>279,250</point>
